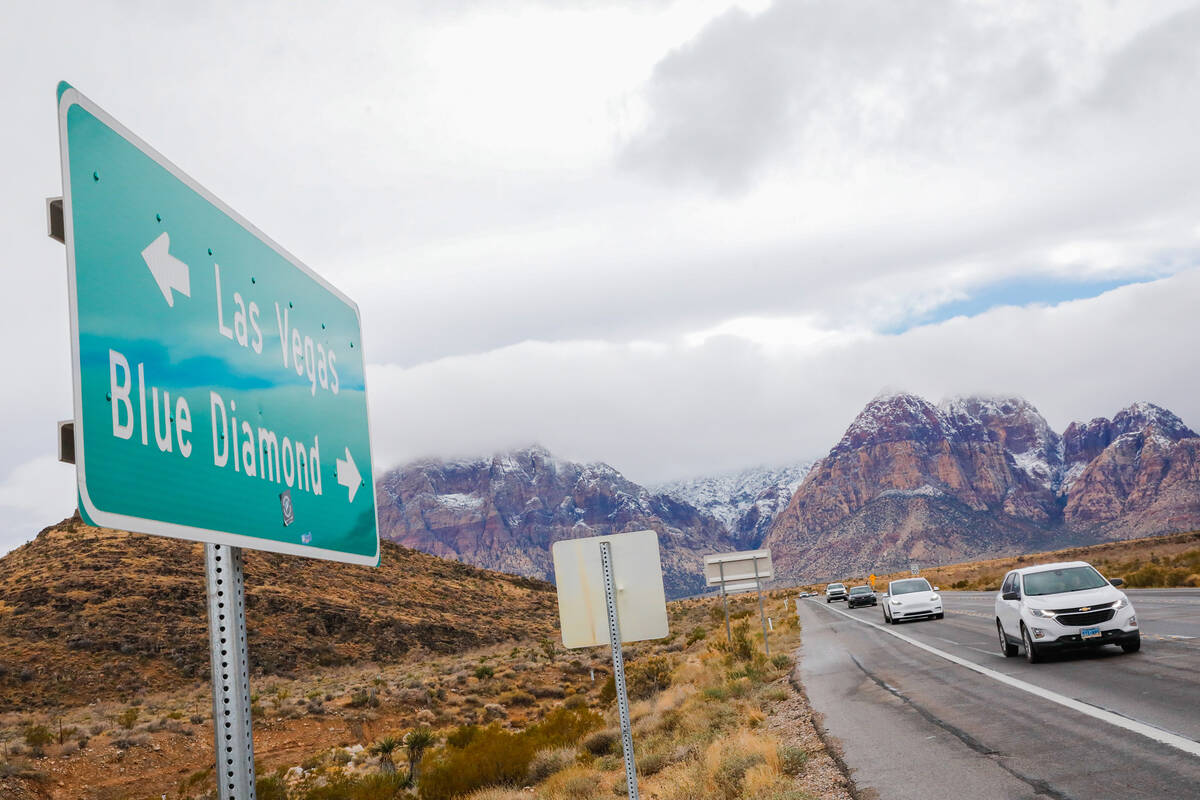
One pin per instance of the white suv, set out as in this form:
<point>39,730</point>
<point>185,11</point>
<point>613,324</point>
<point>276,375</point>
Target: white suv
<point>911,598</point>
<point>1057,606</point>
<point>835,591</point>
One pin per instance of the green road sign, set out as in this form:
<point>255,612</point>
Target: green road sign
<point>220,394</point>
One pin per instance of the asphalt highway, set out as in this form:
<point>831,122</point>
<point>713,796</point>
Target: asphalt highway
<point>1098,724</point>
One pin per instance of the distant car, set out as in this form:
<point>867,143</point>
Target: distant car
<point>835,591</point>
<point>911,598</point>
<point>861,596</point>
<point>1060,606</point>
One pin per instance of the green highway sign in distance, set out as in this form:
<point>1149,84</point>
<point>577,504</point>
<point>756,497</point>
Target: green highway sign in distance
<point>220,394</point>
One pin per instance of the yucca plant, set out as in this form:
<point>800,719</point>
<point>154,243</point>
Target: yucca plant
<point>384,749</point>
<point>416,742</point>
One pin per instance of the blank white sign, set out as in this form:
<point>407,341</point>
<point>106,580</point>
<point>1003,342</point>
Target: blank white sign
<point>637,573</point>
<point>737,567</point>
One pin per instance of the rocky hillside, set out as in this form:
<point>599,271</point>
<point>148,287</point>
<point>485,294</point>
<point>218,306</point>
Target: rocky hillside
<point>88,613</point>
<point>746,502</point>
<point>506,511</point>
<point>911,481</point>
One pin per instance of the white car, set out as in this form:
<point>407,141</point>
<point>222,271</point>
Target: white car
<point>911,598</point>
<point>1064,605</point>
<point>835,591</point>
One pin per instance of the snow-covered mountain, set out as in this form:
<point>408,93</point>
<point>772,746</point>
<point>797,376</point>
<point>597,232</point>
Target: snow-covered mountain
<point>746,501</point>
<point>973,476</point>
<point>505,511</point>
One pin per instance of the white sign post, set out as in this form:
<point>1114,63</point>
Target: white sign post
<point>740,572</point>
<point>603,580</point>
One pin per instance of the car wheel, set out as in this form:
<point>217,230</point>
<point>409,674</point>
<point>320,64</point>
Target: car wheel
<point>827,601</point>
<point>1008,648</point>
<point>1132,645</point>
<point>940,616</point>
<point>1031,652</point>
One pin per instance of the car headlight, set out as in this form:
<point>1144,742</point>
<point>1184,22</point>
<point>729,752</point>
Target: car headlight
<point>1041,612</point>
<point>934,597</point>
<point>895,602</point>
<point>1122,603</point>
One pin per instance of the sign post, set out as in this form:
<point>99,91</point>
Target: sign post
<point>610,591</point>
<point>739,572</point>
<point>618,657</point>
<point>233,741</point>
<point>725,604</point>
<point>218,384</point>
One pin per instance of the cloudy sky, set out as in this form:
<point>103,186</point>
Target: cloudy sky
<point>682,238</point>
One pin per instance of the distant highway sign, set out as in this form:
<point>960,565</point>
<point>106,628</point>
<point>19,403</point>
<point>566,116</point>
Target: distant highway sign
<point>219,387</point>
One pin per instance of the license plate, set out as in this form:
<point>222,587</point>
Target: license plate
<point>1090,633</point>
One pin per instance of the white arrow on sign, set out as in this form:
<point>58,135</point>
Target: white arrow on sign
<point>168,271</point>
<point>347,474</point>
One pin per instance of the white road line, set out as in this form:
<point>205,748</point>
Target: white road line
<point>1149,731</point>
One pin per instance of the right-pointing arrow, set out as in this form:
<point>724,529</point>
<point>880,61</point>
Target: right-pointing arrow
<point>169,272</point>
<point>347,474</point>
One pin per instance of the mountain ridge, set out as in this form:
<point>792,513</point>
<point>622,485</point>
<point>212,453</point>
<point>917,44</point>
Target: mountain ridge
<point>980,475</point>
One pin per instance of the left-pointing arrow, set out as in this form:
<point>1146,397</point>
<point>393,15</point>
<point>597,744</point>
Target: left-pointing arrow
<point>169,272</point>
<point>347,474</point>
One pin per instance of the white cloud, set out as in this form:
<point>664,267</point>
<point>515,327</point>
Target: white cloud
<point>33,495</point>
<point>741,399</point>
<point>679,224</point>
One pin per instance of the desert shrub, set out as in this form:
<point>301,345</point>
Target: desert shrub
<point>742,648</point>
<point>578,787</point>
<point>731,772</point>
<point>130,740</point>
<point>781,661</point>
<point>602,743</point>
<point>773,694</point>
<point>369,787</point>
<point>608,690</point>
<point>492,757</point>
<point>651,763</point>
<point>562,726</point>
<point>717,693</point>
<point>792,759</point>
<point>575,701</point>
<point>548,761</point>
<point>364,698</point>
<point>37,737</point>
<point>483,672</point>
<point>697,634</point>
<point>649,676</point>
<point>517,698</point>
<point>128,718</point>
<point>271,787</point>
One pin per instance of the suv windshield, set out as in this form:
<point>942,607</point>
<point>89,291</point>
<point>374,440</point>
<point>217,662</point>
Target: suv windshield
<point>909,586</point>
<point>861,590</point>
<point>835,586</point>
<point>1067,579</point>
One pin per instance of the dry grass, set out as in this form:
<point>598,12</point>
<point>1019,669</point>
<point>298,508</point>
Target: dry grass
<point>1158,561</point>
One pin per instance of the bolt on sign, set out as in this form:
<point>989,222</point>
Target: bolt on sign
<point>219,387</point>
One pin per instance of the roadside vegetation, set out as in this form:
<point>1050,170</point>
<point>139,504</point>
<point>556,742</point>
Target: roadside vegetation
<point>1159,562</point>
<point>501,723</point>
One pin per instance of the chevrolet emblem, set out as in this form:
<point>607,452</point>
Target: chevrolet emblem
<point>1086,608</point>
